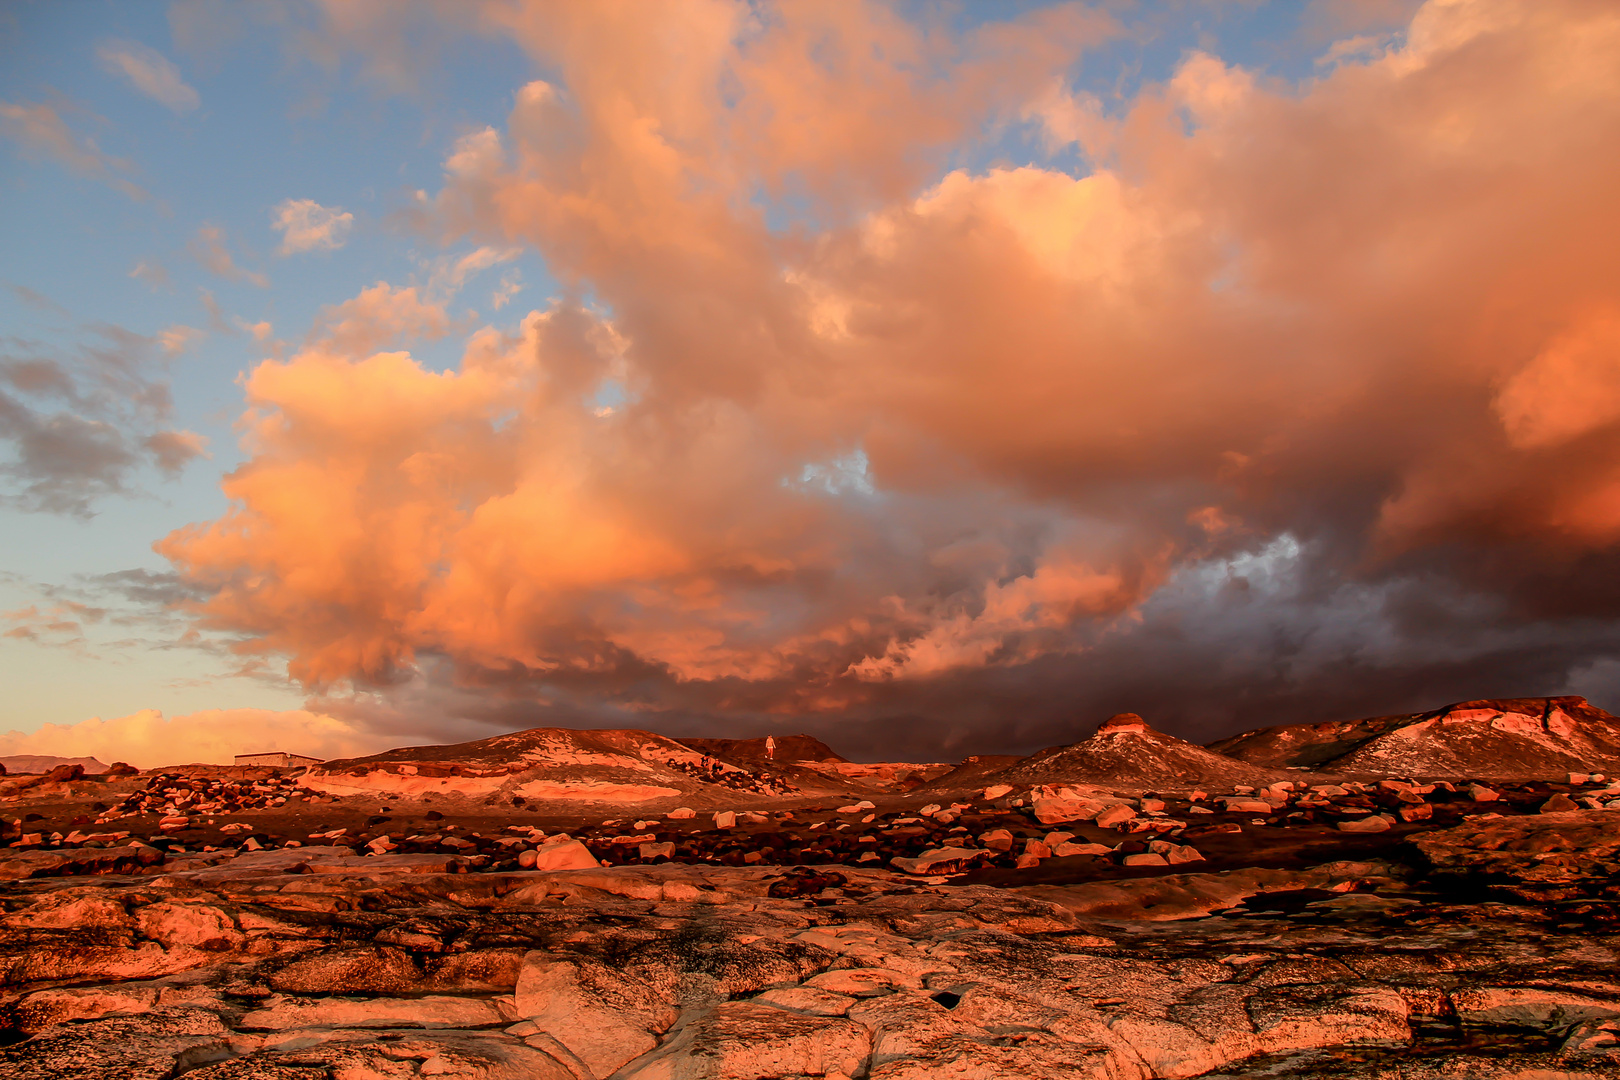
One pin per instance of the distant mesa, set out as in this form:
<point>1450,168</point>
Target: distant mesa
<point>43,763</point>
<point>276,760</point>
<point>1502,738</point>
<point>551,765</point>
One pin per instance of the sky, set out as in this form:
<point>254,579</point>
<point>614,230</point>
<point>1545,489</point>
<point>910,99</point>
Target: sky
<point>934,379</point>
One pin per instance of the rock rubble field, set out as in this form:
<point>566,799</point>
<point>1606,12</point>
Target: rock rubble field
<point>215,923</point>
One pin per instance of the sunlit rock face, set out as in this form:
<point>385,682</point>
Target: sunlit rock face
<point>1509,738</point>
<point>1126,753</point>
<point>559,765</point>
<point>1346,969</point>
<point>1176,914</point>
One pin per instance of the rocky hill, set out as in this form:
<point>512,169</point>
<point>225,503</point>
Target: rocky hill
<point>547,765</point>
<point>1124,754</point>
<point>16,764</point>
<point>1518,738</point>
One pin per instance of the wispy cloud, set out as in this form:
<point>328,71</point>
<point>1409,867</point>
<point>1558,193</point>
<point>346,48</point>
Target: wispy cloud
<point>42,133</point>
<point>153,274</point>
<point>209,248</point>
<point>306,225</point>
<point>77,425</point>
<point>150,72</point>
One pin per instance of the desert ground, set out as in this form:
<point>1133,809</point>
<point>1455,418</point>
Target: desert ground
<point>585,905</point>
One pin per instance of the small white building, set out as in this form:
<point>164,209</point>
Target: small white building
<point>277,760</point>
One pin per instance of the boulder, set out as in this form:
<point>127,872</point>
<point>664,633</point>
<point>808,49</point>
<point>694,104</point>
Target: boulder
<point>943,860</point>
<point>1117,814</point>
<point>1061,811</point>
<point>569,855</point>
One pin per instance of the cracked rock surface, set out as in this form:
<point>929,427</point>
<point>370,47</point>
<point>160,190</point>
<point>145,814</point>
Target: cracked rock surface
<point>1489,952</point>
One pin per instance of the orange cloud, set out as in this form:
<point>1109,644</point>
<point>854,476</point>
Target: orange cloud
<point>952,423</point>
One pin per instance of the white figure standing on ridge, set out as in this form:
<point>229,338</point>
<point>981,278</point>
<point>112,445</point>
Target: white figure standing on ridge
<point>770,748</point>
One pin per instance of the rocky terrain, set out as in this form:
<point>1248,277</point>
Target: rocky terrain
<point>1499,738</point>
<point>1191,915</point>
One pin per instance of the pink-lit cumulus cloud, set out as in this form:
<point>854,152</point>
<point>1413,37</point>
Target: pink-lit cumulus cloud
<point>981,434</point>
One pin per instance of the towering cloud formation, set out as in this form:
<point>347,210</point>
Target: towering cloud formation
<point>1305,386</point>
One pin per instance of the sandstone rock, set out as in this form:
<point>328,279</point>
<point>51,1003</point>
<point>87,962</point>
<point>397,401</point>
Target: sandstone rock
<point>1145,858</point>
<point>1245,806</point>
<point>725,819</point>
<point>428,1011</point>
<point>16,865</point>
<point>571,855</point>
<point>745,1040</point>
<point>997,840</point>
<point>1530,1006</point>
<point>742,1040</point>
<point>1559,804</point>
<point>1375,823</point>
<point>862,982</point>
<point>200,926</point>
<point>83,909</point>
<point>1481,793</point>
<point>1540,848</point>
<point>996,791</point>
<point>1059,811</point>
<point>936,860</point>
<point>61,1005</point>
<point>1117,814</point>
<point>681,813</point>
<point>604,1019</point>
<point>1068,848</point>
<point>807,999</point>
<point>657,851</point>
